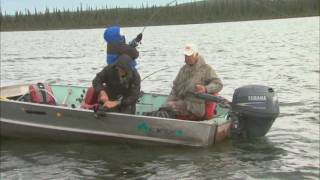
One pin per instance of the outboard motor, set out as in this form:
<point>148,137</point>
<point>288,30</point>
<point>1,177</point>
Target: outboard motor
<point>254,109</point>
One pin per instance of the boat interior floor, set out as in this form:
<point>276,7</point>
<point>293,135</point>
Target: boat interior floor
<point>74,96</point>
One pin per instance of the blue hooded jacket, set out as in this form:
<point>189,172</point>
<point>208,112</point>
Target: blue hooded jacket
<point>112,36</point>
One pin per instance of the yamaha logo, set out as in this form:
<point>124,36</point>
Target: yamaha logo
<point>257,98</point>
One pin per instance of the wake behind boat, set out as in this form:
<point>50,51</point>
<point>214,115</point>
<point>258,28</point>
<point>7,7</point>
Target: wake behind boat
<point>251,114</point>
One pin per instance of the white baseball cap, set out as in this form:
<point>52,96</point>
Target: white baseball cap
<point>190,49</point>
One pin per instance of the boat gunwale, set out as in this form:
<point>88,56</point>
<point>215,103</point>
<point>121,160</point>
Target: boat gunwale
<point>62,85</point>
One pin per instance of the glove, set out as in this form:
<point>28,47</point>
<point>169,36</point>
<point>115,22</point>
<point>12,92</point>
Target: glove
<point>139,37</point>
<point>134,43</point>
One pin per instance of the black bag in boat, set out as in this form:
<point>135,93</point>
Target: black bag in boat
<point>163,112</point>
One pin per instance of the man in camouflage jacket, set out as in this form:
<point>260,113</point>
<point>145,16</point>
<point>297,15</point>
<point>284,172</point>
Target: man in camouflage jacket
<point>194,76</point>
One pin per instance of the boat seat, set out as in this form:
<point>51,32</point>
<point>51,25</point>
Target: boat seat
<point>42,93</point>
<point>90,99</point>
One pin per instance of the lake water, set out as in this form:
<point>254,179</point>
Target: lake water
<point>283,54</point>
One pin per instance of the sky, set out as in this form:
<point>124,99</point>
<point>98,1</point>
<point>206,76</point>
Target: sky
<point>10,6</point>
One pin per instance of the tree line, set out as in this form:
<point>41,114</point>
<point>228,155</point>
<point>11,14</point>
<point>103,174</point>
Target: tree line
<point>187,13</point>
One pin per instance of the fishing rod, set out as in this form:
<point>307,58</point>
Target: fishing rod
<point>168,4</point>
<point>165,68</point>
<point>155,13</point>
<point>269,8</point>
<point>137,40</point>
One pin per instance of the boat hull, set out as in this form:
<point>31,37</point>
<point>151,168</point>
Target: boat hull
<point>32,120</point>
<point>28,120</point>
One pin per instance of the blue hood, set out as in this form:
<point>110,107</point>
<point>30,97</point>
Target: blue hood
<point>112,35</point>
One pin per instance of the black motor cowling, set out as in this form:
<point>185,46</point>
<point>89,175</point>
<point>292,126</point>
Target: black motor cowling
<point>254,109</point>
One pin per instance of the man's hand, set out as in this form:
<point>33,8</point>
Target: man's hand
<point>201,89</point>
<point>111,104</point>
<point>103,97</point>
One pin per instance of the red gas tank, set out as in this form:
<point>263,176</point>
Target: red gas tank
<point>90,99</point>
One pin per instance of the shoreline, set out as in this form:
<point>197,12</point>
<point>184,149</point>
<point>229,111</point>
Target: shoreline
<point>169,24</point>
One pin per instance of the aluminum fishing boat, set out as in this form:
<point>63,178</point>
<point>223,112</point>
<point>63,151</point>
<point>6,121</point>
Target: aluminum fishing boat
<point>66,120</point>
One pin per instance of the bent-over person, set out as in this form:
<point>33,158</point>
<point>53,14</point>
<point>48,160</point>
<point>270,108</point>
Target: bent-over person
<point>118,86</point>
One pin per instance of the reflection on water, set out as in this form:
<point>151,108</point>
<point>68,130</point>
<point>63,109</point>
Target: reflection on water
<point>71,160</point>
<point>281,53</point>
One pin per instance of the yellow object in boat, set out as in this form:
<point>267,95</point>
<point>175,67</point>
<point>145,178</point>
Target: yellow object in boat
<point>3,98</point>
